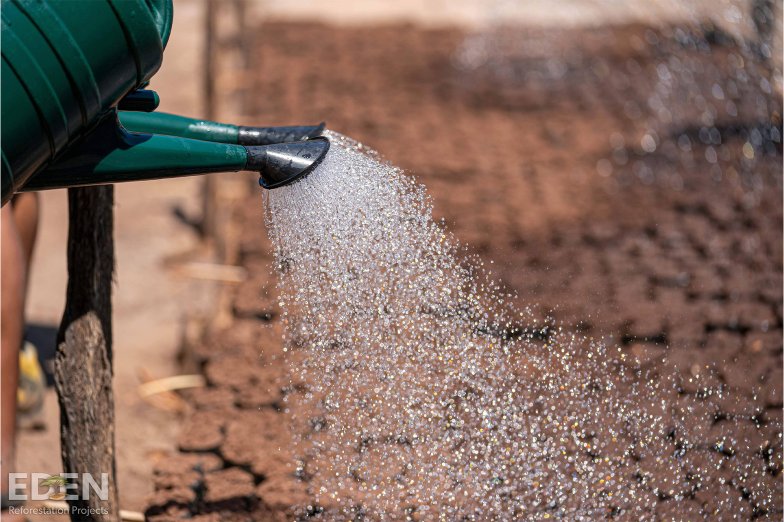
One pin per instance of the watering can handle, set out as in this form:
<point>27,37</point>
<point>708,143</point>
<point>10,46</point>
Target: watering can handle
<point>143,100</point>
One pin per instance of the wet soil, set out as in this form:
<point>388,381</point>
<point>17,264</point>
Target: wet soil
<point>542,167</point>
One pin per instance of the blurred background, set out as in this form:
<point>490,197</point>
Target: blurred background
<point>618,161</point>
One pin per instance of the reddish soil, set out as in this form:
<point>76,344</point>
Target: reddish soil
<point>674,254</point>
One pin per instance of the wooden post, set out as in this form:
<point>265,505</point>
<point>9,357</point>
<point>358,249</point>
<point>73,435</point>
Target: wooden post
<point>83,364</point>
<point>208,59</point>
<point>208,85</point>
<point>243,48</point>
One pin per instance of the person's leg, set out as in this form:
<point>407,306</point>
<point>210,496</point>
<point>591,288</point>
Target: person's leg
<point>32,382</point>
<point>12,285</point>
<point>17,238</point>
<point>25,207</point>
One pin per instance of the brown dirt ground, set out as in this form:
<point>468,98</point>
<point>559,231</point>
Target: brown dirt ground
<point>674,254</point>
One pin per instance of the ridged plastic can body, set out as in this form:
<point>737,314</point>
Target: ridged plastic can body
<point>65,65</point>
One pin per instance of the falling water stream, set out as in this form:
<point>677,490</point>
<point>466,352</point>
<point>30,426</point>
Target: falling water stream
<point>429,396</point>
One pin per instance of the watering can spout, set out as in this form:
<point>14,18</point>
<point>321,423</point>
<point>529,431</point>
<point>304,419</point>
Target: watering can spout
<point>285,163</point>
<point>199,129</point>
<point>111,154</point>
<point>269,135</point>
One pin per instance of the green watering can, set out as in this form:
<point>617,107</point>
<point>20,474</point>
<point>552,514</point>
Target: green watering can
<point>75,111</point>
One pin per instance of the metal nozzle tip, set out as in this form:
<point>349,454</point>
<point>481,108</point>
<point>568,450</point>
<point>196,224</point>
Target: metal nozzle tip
<point>272,135</point>
<point>284,163</point>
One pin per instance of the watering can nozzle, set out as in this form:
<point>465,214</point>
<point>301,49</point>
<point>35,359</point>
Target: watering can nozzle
<point>269,135</point>
<point>283,163</point>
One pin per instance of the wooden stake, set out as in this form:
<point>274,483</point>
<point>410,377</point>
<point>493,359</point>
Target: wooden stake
<point>83,364</point>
